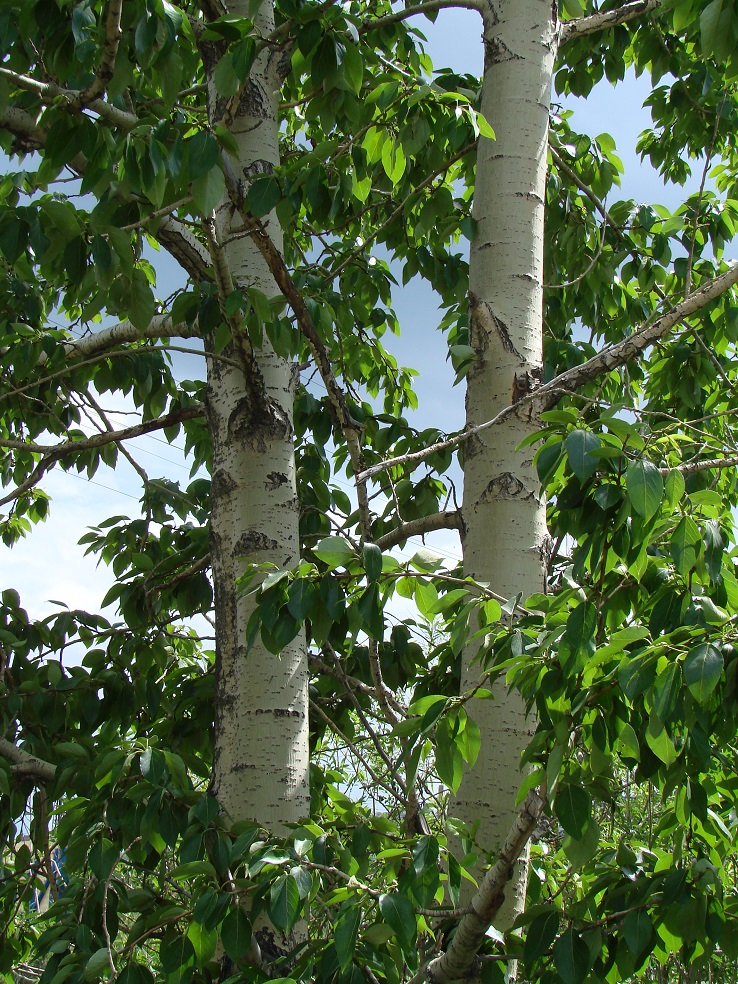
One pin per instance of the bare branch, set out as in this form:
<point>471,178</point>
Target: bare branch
<point>611,357</point>
<point>49,92</point>
<point>348,426</point>
<point>603,20</point>
<point>161,326</point>
<point>429,7</point>
<point>25,764</point>
<point>107,63</point>
<point>107,437</point>
<point>445,520</point>
<point>456,963</point>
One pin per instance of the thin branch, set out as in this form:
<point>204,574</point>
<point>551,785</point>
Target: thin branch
<point>107,62</point>
<point>707,464</point>
<point>431,6</point>
<point>49,92</point>
<point>25,764</point>
<point>603,20</point>
<point>107,437</point>
<point>611,357</point>
<point>705,170</point>
<point>460,957</point>
<point>350,428</point>
<point>355,684</point>
<point>445,520</point>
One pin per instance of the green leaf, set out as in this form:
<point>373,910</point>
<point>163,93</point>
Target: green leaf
<point>645,487</point>
<point>345,935</point>
<point>208,191</point>
<point>334,551</point>
<point>659,741</point>
<point>703,667</point>
<point>203,941</point>
<point>203,154</point>
<point>372,561</point>
<point>425,854</point>
<point>449,760</point>
<point>263,195</point>
<point>541,934</point>
<point>235,934</point>
<point>284,903</point>
<point>710,25</point>
<point>573,808</point>
<point>666,691</point>
<point>571,957</point>
<point>579,444</point>
<point>638,931</point>
<point>581,850</point>
<point>142,306</point>
<point>398,912</point>
<point>393,160</point>
<point>97,966</point>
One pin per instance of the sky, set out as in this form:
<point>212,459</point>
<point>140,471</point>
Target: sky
<point>51,565</point>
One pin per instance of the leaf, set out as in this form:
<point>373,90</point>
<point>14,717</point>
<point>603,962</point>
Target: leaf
<point>541,934</point>
<point>425,854</point>
<point>235,934</point>
<point>581,850</point>
<point>203,941</point>
<point>334,551</point>
<point>142,306</point>
<point>645,487</point>
<point>263,195</point>
<point>709,26</point>
<point>284,903</point>
<point>581,627</point>
<point>393,160</point>
<point>372,561</point>
<point>638,931</point>
<point>203,154</point>
<point>398,912</point>
<point>666,691</point>
<point>345,935</point>
<point>573,808</point>
<point>571,957</point>
<point>703,667</point>
<point>449,760</point>
<point>97,966</point>
<point>208,191</point>
<point>579,444</point>
<point>659,741</point>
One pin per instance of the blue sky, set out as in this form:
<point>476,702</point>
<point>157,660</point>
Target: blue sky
<point>50,564</point>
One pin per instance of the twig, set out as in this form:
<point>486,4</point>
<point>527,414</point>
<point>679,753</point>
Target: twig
<point>603,20</point>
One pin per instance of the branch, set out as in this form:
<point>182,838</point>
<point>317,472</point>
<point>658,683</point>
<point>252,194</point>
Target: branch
<point>49,92</point>
<point>444,520</point>
<point>431,6</point>
<point>107,437</point>
<point>609,358</point>
<point>603,20</point>
<point>348,426</point>
<point>107,64</point>
<point>457,962</point>
<point>161,326</point>
<point>25,764</point>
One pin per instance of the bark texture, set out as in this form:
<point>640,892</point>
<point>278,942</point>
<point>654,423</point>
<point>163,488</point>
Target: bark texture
<point>260,769</point>
<point>504,534</point>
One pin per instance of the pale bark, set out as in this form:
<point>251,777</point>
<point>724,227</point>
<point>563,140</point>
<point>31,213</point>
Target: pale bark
<point>26,764</point>
<point>504,535</point>
<point>260,767</point>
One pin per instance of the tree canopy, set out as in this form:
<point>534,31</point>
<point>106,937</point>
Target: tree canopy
<point>317,788</point>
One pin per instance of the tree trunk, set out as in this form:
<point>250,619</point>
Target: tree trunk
<point>260,767</point>
<point>504,535</point>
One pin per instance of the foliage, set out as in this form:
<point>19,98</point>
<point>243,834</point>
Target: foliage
<point>628,659</point>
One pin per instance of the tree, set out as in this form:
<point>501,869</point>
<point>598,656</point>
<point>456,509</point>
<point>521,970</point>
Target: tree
<point>212,807</point>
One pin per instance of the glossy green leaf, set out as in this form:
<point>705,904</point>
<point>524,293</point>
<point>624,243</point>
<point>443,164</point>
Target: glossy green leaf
<point>645,487</point>
<point>541,934</point>
<point>571,957</point>
<point>398,912</point>
<point>345,935</point>
<point>573,807</point>
<point>703,668</point>
<point>235,934</point>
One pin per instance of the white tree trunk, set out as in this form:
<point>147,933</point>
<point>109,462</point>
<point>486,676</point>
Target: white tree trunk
<point>260,767</point>
<point>504,536</point>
